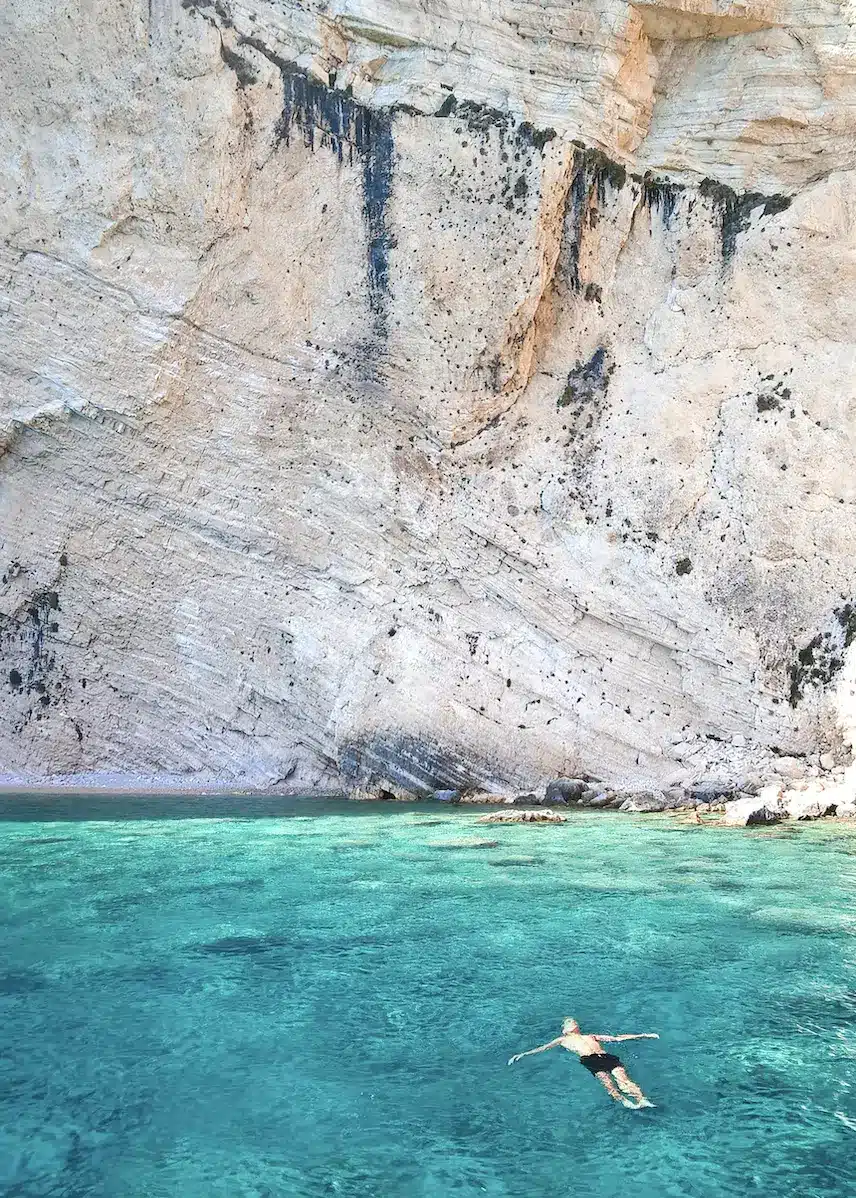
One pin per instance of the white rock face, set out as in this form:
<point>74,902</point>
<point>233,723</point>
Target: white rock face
<point>367,409</point>
<point>810,804</point>
<point>765,808</point>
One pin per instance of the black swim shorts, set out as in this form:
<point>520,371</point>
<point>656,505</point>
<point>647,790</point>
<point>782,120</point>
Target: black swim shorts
<point>600,1062</point>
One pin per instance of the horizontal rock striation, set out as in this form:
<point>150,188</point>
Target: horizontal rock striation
<point>423,399</point>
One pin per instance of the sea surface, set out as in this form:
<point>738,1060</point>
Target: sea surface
<point>251,999</point>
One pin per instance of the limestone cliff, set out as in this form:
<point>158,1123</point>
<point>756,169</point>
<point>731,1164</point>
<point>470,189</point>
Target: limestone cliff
<point>444,390</point>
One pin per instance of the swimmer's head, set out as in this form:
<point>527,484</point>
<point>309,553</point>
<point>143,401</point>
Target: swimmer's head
<point>570,1025</point>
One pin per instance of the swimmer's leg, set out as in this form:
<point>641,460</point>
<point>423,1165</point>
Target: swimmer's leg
<point>629,1087</point>
<point>609,1085</point>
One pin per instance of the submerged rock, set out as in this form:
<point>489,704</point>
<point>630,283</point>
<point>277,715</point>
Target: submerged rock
<point>465,842</point>
<point>515,862</point>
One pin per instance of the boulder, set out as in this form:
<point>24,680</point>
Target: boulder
<point>646,801</point>
<point>764,808</point>
<point>808,808</point>
<point>529,800</point>
<point>827,761</point>
<point>565,790</point>
<point>600,800</point>
<point>846,811</point>
<point>446,796</point>
<point>789,767</point>
<point>811,802</point>
<point>481,797</point>
<point>712,792</point>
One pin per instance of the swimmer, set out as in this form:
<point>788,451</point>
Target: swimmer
<point>605,1066</point>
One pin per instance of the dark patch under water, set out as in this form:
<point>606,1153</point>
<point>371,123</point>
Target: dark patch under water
<point>22,981</point>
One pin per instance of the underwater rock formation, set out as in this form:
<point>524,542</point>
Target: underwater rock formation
<point>426,398</point>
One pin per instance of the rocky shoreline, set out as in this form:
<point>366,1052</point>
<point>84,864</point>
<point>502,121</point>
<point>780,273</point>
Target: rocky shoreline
<point>803,791</point>
<point>811,796</point>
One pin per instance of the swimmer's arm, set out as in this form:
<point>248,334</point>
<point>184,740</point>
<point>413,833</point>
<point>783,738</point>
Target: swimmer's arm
<point>532,1051</point>
<point>634,1036</point>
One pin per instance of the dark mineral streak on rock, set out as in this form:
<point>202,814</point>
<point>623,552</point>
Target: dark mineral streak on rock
<point>347,126</point>
<point>335,120</point>
<point>575,211</point>
<point>735,210</point>
<point>594,177</point>
<point>661,194</point>
<point>244,73</point>
<point>595,173</point>
<point>820,660</point>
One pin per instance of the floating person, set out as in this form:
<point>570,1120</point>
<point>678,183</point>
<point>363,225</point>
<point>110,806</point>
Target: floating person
<point>605,1066</point>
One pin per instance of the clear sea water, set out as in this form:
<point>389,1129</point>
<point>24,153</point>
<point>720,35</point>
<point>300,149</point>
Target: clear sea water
<point>322,1002</point>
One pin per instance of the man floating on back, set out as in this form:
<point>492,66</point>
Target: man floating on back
<point>605,1066</point>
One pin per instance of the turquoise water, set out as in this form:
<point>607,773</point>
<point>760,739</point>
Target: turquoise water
<point>322,1003</point>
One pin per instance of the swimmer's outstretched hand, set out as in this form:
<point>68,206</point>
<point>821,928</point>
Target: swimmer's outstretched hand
<point>511,1060</point>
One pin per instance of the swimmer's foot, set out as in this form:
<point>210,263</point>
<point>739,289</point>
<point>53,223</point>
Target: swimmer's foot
<point>637,1106</point>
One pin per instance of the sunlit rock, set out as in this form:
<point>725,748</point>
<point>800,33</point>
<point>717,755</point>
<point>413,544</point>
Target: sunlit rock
<point>764,808</point>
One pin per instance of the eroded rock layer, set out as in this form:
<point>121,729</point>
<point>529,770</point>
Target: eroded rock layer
<point>450,393</point>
